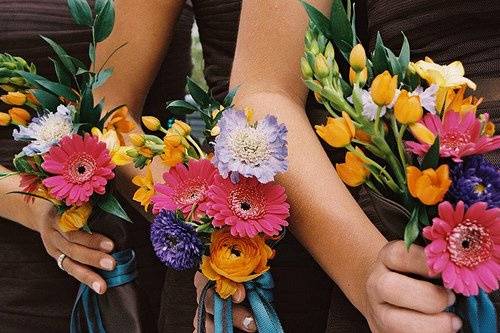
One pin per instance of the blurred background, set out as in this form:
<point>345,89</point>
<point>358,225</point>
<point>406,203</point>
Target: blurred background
<point>198,77</point>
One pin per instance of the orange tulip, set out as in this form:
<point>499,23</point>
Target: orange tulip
<point>408,109</point>
<point>338,132</point>
<point>234,260</point>
<point>353,172</point>
<point>4,119</point>
<point>14,98</point>
<point>19,116</point>
<point>383,88</point>
<point>429,186</point>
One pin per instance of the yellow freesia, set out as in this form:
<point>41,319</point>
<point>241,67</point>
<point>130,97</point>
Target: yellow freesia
<point>146,188</point>
<point>121,157</point>
<point>75,218</point>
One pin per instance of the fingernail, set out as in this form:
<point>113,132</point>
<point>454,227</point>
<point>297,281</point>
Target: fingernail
<point>456,323</point>
<point>107,245</point>
<point>451,298</point>
<point>107,263</point>
<point>249,324</point>
<point>97,287</point>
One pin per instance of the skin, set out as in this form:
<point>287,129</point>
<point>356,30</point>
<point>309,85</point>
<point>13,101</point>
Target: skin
<point>376,285</point>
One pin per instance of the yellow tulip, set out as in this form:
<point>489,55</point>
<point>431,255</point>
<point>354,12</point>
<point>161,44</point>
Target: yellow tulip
<point>422,133</point>
<point>75,218</point>
<point>151,123</point>
<point>429,186</point>
<point>4,119</point>
<point>383,88</point>
<point>14,98</point>
<point>19,116</point>
<point>408,109</point>
<point>357,58</point>
<point>338,132</point>
<point>353,172</point>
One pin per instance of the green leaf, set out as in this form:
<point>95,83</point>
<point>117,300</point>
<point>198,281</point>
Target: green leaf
<point>423,216</point>
<point>4,175</point>
<point>181,107</point>
<point>379,57</point>
<point>91,52</point>
<point>47,100</point>
<point>393,61</point>
<point>61,54</point>
<point>341,27</point>
<point>102,77</point>
<point>431,159</point>
<point>81,12</point>
<point>357,100</point>
<point>62,74</point>
<point>54,87</point>
<point>228,100</point>
<point>320,21</point>
<point>105,20</point>
<point>346,87</point>
<point>199,95</point>
<point>22,165</point>
<point>88,114</point>
<point>411,229</point>
<point>109,204</point>
<point>404,55</point>
<point>99,5</point>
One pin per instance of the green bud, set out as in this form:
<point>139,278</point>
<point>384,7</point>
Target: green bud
<point>4,80</point>
<point>21,62</point>
<point>321,66</point>
<point>132,153</point>
<point>307,72</point>
<point>329,51</point>
<point>313,85</point>
<point>314,48</point>
<point>335,69</point>
<point>17,81</point>
<point>322,43</point>
<point>9,65</point>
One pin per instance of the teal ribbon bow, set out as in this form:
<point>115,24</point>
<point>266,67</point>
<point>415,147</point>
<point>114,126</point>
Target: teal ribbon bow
<point>481,314</point>
<point>259,295</point>
<point>87,300</point>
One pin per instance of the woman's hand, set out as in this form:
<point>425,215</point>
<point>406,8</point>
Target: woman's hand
<point>242,317</point>
<point>399,303</point>
<point>82,251</point>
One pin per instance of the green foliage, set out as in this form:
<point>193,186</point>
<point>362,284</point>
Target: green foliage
<point>104,20</point>
<point>47,100</point>
<point>431,159</point>
<point>81,12</point>
<point>412,229</point>
<point>110,204</point>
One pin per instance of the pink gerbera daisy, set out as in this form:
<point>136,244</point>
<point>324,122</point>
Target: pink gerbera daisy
<point>185,187</point>
<point>248,207</point>
<point>81,166</point>
<point>465,247</point>
<point>459,135</point>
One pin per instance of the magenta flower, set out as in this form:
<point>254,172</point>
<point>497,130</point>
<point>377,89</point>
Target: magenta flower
<point>185,187</point>
<point>459,135</point>
<point>465,247</point>
<point>248,207</point>
<point>81,166</point>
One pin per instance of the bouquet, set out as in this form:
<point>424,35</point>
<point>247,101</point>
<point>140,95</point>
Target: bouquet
<point>412,136</point>
<point>70,156</point>
<point>217,208</point>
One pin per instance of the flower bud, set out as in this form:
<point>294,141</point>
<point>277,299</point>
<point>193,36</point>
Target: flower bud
<point>7,87</point>
<point>181,128</point>
<point>132,152</point>
<point>383,88</point>
<point>137,139</point>
<point>4,119</point>
<point>359,77</point>
<point>408,109</point>
<point>14,98</point>
<point>329,51</point>
<point>151,123</point>
<point>215,131</point>
<point>353,172</point>
<point>489,129</point>
<point>321,66</point>
<point>338,132</point>
<point>17,80</point>
<point>19,116</point>
<point>307,72</point>
<point>314,85</point>
<point>357,58</point>
<point>314,48</point>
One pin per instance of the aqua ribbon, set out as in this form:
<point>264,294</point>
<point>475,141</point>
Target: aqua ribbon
<point>87,300</point>
<point>481,314</point>
<point>259,296</point>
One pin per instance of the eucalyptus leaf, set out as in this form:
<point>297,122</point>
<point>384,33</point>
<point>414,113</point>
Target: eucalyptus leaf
<point>54,87</point>
<point>62,74</point>
<point>180,107</point>
<point>379,57</point>
<point>87,113</point>
<point>404,55</point>
<point>61,54</point>
<point>47,100</point>
<point>341,26</point>
<point>411,229</point>
<point>228,100</point>
<point>198,94</point>
<point>109,204</point>
<point>431,159</point>
<point>393,61</point>
<point>320,21</point>
<point>81,12</point>
<point>105,20</point>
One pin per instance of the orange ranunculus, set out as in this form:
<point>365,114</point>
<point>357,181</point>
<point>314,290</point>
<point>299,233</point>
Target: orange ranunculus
<point>429,186</point>
<point>120,122</point>
<point>353,172</point>
<point>19,116</point>
<point>234,260</point>
<point>383,88</point>
<point>14,98</point>
<point>455,101</point>
<point>408,109</point>
<point>338,132</point>
<point>75,218</point>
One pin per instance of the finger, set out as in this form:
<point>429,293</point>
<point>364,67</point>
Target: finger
<point>92,241</point>
<point>396,257</point>
<point>398,320</point>
<point>84,275</point>
<point>406,292</point>
<point>84,255</point>
<point>199,282</point>
<point>209,324</point>
<point>243,319</point>
<point>240,294</point>
<point>209,301</point>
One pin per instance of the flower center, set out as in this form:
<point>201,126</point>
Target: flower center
<point>250,146</point>
<point>190,192</point>
<point>247,202</point>
<point>53,129</point>
<point>455,140</point>
<point>80,168</point>
<point>469,244</point>
<point>479,188</point>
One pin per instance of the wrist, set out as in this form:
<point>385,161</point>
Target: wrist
<point>40,215</point>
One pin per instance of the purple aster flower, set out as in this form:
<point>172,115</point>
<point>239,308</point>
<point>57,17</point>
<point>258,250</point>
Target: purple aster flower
<point>175,243</point>
<point>475,180</point>
<point>258,150</point>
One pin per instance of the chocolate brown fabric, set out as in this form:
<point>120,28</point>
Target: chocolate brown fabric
<point>35,295</point>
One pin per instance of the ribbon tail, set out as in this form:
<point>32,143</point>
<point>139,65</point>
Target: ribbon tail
<point>481,314</point>
<point>266,318</point>
<point>223,315</point>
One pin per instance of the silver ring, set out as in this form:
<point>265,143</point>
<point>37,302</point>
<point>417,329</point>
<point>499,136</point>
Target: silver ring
<point>60,260</point>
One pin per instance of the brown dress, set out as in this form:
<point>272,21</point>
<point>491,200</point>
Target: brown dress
<point>35,296</point>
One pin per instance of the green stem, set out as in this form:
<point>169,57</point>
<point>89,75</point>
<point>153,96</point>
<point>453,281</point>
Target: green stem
<point>398,136</point>
<point>377,120</point>
<point>330,110</point>
<point>196,146</point>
